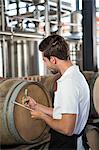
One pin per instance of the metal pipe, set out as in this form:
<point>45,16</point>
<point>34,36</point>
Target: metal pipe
<point>25,53</point>
<point>12,58</point>
<point>26,35</point>
<point>77,5</point>
<point>59,17</point>
<point>2,15</point>
<point>4,56</point>
<point>3,37</point>
<point>19,58</point>
<point>1,61</point>
<point>47,22</point>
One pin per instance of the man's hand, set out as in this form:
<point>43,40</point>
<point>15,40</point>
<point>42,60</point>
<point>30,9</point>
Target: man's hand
<point>30,102</point>
<point>35,114</point>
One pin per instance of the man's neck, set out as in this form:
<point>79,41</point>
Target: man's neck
<point>64,66</point>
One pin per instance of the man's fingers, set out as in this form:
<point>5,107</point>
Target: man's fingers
<point>30,99</point>
<point>29,102</point>
<point>26,102</point>
<point>34,101</point>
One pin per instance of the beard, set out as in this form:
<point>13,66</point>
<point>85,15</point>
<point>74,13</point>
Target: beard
<point>54,71</point>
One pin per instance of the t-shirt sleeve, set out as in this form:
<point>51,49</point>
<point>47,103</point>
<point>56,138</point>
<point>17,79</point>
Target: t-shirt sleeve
<point>68,101</point>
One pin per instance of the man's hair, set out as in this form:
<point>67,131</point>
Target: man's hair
<point>55,45</point>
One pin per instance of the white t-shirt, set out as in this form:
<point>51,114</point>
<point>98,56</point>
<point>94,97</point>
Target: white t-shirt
<point>73,97</point>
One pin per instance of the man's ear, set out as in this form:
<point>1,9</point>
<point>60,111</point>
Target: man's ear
<point>53,59</point>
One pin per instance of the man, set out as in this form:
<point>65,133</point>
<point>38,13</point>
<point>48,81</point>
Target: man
<point>71,102</point>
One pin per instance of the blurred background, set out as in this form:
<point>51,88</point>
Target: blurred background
<point>25,23</point>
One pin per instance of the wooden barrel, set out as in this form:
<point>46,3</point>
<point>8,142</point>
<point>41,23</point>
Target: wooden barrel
<point>44,146</point>
<point>96,95</point>
<point>49,81</point>
<point>92,134</point>
<point>91,78</point>
<point>16,125</point>
<point>2,79</point>
<point>89,75</point>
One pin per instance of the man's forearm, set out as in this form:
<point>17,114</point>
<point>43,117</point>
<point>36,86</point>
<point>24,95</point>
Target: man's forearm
<point>64,125</point>
<point>44,109</point>
<point>53,123</point>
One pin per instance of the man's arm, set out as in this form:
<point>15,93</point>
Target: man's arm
<point>65,125</point>
<point>46,110</point>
